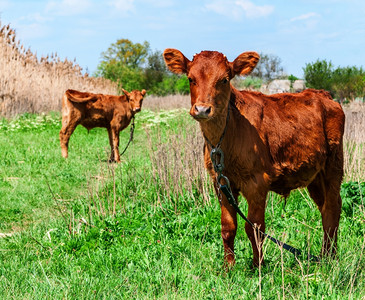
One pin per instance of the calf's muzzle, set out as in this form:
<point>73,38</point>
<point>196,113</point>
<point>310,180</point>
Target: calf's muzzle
<point>200,111</point>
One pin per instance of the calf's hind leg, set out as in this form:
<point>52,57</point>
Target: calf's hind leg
<point>110,135</point>
<point>256,214</point>
<point>325,191</point>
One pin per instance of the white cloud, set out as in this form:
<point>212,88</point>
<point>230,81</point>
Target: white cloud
<point>305,22</point>
<point>67,7</point>
<point>334,36</point>
<point>160,3</point>
<point>36,17</point>
<point>254,11</point>
<point>307,16</point>
<point>238,8</point>
<point>301,24</point>
<point>122,5</point>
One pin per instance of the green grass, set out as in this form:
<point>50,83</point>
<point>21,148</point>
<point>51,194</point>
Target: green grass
<point>82,228</point>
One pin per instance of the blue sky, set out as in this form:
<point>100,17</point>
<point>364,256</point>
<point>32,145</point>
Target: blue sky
<point>298,32</point>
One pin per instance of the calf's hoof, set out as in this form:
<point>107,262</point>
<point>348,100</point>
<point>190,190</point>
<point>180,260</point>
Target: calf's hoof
<point>64,154</point>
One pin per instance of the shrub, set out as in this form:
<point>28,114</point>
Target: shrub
<point>344,83</point>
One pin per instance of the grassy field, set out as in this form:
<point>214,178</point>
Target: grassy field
<point>149,227</point>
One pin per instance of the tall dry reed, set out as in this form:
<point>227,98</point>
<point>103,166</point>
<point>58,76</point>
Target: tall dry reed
<point>156,103</point>
<point>178,166</point>
<point>30,84</point>
<point>354,142</point>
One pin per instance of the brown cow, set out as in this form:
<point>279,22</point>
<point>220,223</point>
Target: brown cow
<point>97,110</point>
<point>271,143</point>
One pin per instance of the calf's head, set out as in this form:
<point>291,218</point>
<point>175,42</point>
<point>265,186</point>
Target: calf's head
<point>209,74</point>
<point>135,99</point>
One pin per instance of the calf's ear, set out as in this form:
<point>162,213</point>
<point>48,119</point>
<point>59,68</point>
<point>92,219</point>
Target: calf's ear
<point>176,61</point>
<point>244,63</point>
<point>143,92</point>
<point>125,93</point>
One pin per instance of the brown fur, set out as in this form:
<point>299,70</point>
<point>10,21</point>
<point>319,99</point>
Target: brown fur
<point>97,110</point>
<point>272,143</point>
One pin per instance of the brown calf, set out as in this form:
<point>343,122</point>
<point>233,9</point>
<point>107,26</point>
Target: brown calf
<point>97,110</point>
<point>272,143</point>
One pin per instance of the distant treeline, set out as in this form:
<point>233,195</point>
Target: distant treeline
<point>135,66</point>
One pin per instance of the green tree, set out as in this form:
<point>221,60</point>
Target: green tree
<point>268,68</point>
<point>155,72</point>
<point>160,81</point>
<point>318,75</point>
<point>344,83</point>
<point>123,62</point>
<point>348,83</point>
<point>131,55</point>
<point>182,85</point>
<point>135,66</point>
<point>292,79</point>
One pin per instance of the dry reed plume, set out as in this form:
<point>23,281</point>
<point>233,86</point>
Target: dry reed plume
<point>29,84</point>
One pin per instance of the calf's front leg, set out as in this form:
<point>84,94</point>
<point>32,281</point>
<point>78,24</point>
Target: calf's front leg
<point>68,127</point>
<point>115,145</point>
<point>228,213</point>
<point>228,229</point>
<point>110,135</point>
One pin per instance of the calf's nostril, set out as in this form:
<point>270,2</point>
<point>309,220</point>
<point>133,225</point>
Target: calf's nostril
<point>202,110</point>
